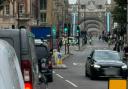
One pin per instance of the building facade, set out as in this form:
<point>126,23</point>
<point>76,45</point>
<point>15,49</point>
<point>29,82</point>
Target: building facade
<point>52,11</point>
<point>24,13</point>
<point>17,13</point>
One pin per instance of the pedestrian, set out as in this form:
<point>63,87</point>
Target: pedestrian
<point>116,47</point>
<point>99,37</point>
<point>125,50</point>
<point>60,43</point>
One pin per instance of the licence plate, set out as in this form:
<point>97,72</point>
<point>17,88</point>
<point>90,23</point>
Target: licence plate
<point>111,71</point>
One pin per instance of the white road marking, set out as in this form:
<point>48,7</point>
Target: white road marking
<point>71,83</point>
<point>74,64</point>
<point>54,72</point>
<point>78,64</point>
<point>59,76</point>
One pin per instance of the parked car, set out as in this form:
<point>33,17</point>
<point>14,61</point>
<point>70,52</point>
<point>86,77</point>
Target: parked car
<point>10,72</point>
<point>23,42</point>
<point>105,63</point>
<point>44,59</point>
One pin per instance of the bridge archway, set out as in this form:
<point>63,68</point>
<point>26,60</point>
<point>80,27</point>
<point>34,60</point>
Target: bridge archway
<point>91,20</point>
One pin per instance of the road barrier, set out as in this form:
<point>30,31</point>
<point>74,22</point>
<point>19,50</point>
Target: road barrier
<point>57,58</point>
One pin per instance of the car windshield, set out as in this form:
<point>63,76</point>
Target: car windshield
<point>106,55</point>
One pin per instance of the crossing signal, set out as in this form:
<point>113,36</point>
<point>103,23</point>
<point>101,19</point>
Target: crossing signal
<point>78,29</point>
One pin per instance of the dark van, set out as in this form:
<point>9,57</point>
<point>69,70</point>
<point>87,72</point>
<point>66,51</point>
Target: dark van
<point>23,42</point>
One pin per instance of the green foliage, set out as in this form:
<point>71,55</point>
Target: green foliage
<point>120,12</point>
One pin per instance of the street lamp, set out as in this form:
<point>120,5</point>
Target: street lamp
<point>78,24</point>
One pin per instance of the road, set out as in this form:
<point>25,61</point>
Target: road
<point>74,76</point>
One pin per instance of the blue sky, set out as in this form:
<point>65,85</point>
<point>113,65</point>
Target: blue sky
<point>72,1</point>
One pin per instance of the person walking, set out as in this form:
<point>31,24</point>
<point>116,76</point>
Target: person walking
<point>125,50</point>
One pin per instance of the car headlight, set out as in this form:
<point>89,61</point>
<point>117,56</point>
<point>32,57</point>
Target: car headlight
<point>96,66</point>
<point>124,67</point>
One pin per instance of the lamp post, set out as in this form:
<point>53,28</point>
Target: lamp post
<point>78,24</point>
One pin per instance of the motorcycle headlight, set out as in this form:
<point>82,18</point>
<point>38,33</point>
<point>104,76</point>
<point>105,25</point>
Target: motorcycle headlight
<point>124,67</point>
<point>96,66</point>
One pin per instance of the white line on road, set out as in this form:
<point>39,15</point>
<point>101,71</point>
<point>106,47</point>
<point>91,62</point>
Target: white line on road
<point>54,72</point>
<point>74,64</point>
<point>71,83</point>
<point>59,76</point>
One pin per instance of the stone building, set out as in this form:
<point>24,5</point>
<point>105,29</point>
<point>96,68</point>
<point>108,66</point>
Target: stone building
<point>17,13</point>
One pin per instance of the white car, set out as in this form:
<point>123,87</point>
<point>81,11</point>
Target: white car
<point>10,72</point>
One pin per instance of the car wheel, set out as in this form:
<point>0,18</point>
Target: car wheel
<point>50,78</point>
<point>86,74</point>
<point>92,76</point>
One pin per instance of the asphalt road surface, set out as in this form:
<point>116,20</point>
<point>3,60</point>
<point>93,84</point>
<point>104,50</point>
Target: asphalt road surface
<point>74,76</point>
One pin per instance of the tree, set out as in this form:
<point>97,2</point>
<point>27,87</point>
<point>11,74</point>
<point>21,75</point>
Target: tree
<point>119,14</point>
<point>120,11</point>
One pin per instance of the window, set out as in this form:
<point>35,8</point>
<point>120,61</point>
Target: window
<point>82,6</point>
<point>21,9</point>
<point>99,6</point>
<point>82,14</point>
<point>6,10</point>
<point>43,4</point>
<point>43,17</point>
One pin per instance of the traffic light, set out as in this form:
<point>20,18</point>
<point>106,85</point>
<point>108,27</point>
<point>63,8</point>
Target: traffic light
<point>65,28</point>
<point>69,27</point>
<point>78,29</point>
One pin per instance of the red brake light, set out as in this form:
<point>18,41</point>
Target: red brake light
<point>28,86</point>
<point>26,70</point>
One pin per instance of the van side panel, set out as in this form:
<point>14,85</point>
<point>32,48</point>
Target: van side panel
<point>12,37</point>
<point>8,69</point>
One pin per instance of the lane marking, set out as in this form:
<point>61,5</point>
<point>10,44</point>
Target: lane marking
<point>54,72</point>
<point>79,64</point>
<point>74,64</point>
<point>59,76</point>
<point>71,83</point>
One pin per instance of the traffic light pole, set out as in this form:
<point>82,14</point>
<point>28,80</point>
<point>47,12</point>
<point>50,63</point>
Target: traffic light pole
<point>65,44</point>
<point>78,36</point>
<point>78,28</point>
